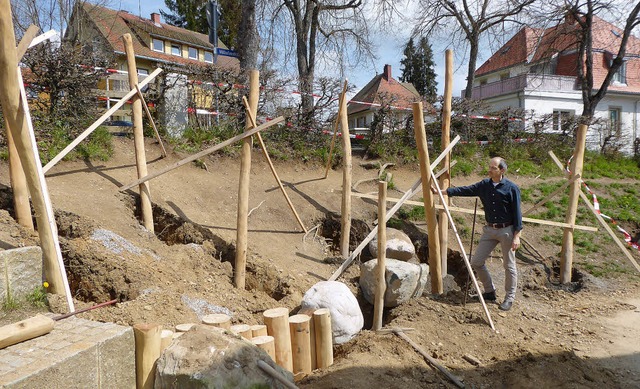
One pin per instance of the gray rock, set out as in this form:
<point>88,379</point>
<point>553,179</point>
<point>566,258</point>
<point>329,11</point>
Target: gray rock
<point>346,316</point>
<point>399,245</point>
<point>404,280</point>
<point>20,272</point>
<point>210,357</point>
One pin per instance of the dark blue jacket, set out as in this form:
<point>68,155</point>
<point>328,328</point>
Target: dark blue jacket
<point>501,203</point>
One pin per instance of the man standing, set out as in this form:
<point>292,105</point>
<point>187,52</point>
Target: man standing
<point>501,201</point>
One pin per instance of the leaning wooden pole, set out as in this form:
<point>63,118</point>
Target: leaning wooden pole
<point>335,128</point>
<point>268,158</point>
<point>138,135</point>
<point>445,178</point>
<point>243,189</point>
<point>345,220</point>
<point>15,112</point>
<point>381,283</point>
<point>566,255</point>
<point>429,206</point>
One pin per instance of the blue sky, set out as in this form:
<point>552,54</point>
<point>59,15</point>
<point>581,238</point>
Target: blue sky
<point>389,51</point>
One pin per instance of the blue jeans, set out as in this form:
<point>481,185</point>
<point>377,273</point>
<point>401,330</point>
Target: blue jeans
<point>489,240</point>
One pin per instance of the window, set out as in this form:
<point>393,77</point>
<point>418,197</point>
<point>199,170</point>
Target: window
<point>176,50</point>
<point>562,121</point>
<point>142,74</point>
<point>208,56</point>
<point>158,45</point>
<point>483,82</point>
<point>614,120</point>
<point>362,122</point>
<point>621,75</point>
<point>193,53</point>
<point>504,76</point>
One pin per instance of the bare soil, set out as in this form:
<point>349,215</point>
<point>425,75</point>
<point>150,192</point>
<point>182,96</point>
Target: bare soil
<point>578,335</point>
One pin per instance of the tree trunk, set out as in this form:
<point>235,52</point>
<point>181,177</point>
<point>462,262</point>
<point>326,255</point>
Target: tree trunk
<point>248,42</point>
<point>473,58</point>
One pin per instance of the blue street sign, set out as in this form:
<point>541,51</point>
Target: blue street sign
<point>228,53</point>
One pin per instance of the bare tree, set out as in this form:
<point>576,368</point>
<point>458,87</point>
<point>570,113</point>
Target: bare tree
<point>468,21</point>
<point>313,32</point>
<point>45,14</point>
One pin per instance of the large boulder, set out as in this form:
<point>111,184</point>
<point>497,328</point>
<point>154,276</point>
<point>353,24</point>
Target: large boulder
<point>346,316</point>
<point>404,281</point>
<point>210,357</point>
<point>399,245</point>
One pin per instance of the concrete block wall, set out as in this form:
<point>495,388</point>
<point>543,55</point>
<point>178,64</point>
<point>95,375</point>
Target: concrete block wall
<point>20,272</point>
<point>77,353</point>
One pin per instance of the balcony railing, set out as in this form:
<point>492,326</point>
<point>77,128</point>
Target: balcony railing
<point>528,82</point>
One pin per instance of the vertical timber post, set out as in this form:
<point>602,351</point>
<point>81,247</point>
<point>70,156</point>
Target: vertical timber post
<point>429,206</point>
<point>566,258</point>
<point>445,178</point>
<point>18,184</point>
<point>243,187</point>
<point>346,180</point>
<point>138,135</point>
<point>381,283</point>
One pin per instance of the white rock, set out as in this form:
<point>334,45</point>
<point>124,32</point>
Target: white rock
<point>404,281</point>
<point>399,245</point>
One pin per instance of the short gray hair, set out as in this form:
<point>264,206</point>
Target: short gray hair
<point>502,164</point>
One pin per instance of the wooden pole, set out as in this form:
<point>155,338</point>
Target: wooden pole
<point>300,332</point>
<point>266,343</point>
<point>381,283</point>
<point>335,127</point>
<point>602,222</point>
<point>566,254</point>
<point>24,330</point>
<point>202,153</point>
<point>166,337</point>
<point>445,178</point>
<point>153,123</point>
<point>243,330</point>
<point>277,321</point>
<point>219,320</point>
<point>243,188</point>
<point>100,120</point>
<point>312,341</point>
<point>390,213</point>
<point>148,341</point>
<point>435,269</point>
<point>273,169</point>
<point>345,221</point>
<point>275,374</point>
<point>138,135</point>
<point>258,330</point>
<point>324,337</point>
<point>15,110</point>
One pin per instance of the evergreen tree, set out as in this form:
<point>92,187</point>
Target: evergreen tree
<point>418,68</point>
<point>192,15</point>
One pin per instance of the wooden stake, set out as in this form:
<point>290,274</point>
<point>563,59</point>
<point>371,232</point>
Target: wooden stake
<point>24,330</point>
<point>266,343</point>
<point>432,361</point>
<point>243,330</point>
<point>324,337</point>
<point>273,169</point>
<point>184,327</point>
<point>258,330</point>
<point>277,321</point>
<point>166,337</point>
<point>138,135</point>
<point>602,222</point>
<point>435,269</point>
<point>99,122</point>
<point>345,221</point>
<point>300,332</point>
<point>335,127</point>
<point>390,213</point>
<point>219,320</point>
<point>239,271</point>
<point>381,283</point>
<point>312,342</point>
<point>202,153</point>
<point>275,374</point>
<point>148,340</point>
<point>16,111</point>
<point>153,124</point>
<point>445,179</point>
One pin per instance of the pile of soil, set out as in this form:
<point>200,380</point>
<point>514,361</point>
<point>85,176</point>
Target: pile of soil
<point>574,335</point>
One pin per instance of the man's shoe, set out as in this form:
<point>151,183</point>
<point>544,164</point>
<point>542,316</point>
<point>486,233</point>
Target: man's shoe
<point>489,296</point>
<point>506,305</point>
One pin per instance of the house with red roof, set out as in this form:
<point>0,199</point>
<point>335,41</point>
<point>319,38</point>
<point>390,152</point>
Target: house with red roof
<point>156,45</point>
<point>536,70</point>
<point>382,90</point>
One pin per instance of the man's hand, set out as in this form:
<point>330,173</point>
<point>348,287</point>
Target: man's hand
<point>515,244</point>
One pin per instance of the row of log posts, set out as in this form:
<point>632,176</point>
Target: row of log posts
<point>138,135</point>
<point>15,111</point>
<point>243,189</point>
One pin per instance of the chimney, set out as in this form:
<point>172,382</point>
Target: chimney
<point>155,18</point>
<point>387,72</point>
